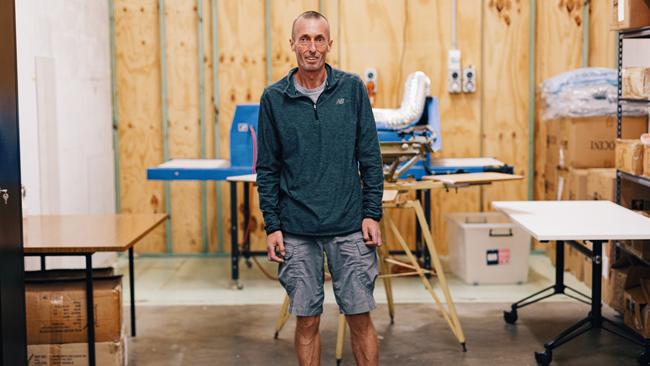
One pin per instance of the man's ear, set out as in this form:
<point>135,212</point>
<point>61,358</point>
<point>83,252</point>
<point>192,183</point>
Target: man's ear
<point>292,44</point>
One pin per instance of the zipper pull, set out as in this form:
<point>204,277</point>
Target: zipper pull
<point>315,112</point>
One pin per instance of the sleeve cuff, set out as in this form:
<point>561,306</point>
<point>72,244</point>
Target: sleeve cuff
<point>371,216</point>
<point>271,228</point>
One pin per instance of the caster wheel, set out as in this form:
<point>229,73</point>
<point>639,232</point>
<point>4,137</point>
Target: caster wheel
<point>338,362</point>
<point>543,358</point>
<point>644,358</point>
<point>464,347</point>
<point>510,316</point>
<point>277,334</point>
<point>249,264</point>
<point>392,320</point>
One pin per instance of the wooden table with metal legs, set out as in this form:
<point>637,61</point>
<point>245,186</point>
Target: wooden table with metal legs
<point>85,235</point>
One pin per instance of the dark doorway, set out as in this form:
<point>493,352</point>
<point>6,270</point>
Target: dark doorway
<point>13,350</point>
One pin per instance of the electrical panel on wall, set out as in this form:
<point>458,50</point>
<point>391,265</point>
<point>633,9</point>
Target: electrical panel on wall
<point>454,72</point>
<point>469,79</point>
<point>370,76</point>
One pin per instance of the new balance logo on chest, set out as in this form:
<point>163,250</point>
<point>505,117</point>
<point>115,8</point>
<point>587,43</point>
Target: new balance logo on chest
<point>340,101</point>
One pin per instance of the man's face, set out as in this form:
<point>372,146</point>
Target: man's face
<point>311,43</point>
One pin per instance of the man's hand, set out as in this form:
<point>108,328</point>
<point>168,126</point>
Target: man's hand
<point>275,240</point>
<point>371,233</point>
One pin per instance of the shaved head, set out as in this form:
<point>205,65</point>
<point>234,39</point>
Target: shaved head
<point>309,15</point>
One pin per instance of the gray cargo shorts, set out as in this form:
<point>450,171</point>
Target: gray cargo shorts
<point>351,262</point>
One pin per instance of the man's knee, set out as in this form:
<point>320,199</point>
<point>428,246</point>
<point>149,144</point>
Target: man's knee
<point>307,324</point>
<point>359,322</point>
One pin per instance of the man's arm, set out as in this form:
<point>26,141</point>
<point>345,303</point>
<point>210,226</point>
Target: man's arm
<point>268,167</point>
<point>369,158</point>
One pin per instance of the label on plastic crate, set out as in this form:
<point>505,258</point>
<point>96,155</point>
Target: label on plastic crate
<point>495,257</point>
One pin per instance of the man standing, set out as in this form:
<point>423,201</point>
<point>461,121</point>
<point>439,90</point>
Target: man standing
<point>320,182</point>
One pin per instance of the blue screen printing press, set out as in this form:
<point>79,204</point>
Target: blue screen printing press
<point>409,137</point>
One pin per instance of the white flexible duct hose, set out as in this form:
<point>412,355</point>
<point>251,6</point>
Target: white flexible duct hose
<point>416,90</point>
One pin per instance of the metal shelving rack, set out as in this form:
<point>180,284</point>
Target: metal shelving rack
<point>622,35</point>
<point>644,358</point>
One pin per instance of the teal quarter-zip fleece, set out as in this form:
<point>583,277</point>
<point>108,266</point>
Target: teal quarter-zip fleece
<point>319,170</point>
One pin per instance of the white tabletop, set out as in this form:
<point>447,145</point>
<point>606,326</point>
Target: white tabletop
<point>195,164</point>
<point>246,178</point>
<point>466,162</point>
<point>576,220</point>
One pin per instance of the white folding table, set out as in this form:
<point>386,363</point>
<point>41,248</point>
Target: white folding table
<point>569,221</point>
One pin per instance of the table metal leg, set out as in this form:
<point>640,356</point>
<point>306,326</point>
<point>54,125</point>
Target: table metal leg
<point>90,309</point>
<point>427,213</point>
<point>247,242</point>
<point>557,288</point>
<point>234,247</point>
<point>418,230</point>
<point>43,268</point>
<point>594,319</point>
<point>132,291</point>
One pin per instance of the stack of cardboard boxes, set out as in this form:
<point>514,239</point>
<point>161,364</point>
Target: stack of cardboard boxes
<point>57,324</point>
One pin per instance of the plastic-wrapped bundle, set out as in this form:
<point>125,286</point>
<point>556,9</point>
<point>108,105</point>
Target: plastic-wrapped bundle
<point>584,92</point>
<point>586,76</point>
<point>416,90</point>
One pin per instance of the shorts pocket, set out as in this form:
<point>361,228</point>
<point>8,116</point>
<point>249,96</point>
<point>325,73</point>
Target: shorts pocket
<point>364,249</point>
<point>367,269</point>
<point>289,284</point>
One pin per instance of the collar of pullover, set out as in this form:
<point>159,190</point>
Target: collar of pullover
<point>290,88</point>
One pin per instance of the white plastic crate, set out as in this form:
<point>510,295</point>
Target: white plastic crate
<point>486,248</point>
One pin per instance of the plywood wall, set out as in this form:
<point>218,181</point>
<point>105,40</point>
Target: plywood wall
<point>506,93</point>
<point>602,42</point>
<point>139,106</point>
<point>395,37</point>
<point>558,42</point>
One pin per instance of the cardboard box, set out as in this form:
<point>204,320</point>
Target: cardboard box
<point>609,253</point>
<point>555,184</point>
<point>588,142</point>
<point>56,311</point>
<point>585,263</point>
<point>76,354</point>
<point>550,251</point>
<point>629,156</point>
<point>575,263</point>
<point>624,276</point>
<point>577,184</point>
<point>636,82</point>
<point>629,14</point>
<point>636,314</point>
<point>646,160</point>
<point>601,184</point>
<point>553,148</point>
<point>639,248</point>
<point>587,267</point>
<point>634,196</point>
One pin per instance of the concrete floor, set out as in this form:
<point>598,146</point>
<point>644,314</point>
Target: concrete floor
<point>243,335</point>
<point>189,315</point>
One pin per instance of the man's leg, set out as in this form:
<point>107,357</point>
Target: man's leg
<point>363,336</point>
<point>302,277</point>
<point>354,268</point>
<point>307,340</point>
